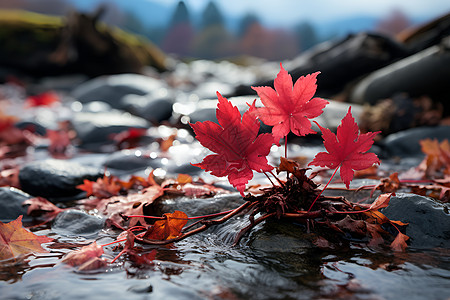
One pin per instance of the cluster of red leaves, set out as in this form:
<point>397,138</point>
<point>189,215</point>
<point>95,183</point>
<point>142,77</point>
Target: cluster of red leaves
<point>240,151</point>
<point>16,240</point>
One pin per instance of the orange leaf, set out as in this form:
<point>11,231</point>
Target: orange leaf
<point>105,187</point>
<point>381,202</point>
<point>16,240</point>
<point>399,244</point>
<point>168,228</point>
<point>83,255</point>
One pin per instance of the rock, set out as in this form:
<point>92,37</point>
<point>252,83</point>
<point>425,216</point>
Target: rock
<point>54,178</point>
<point>96,128</point>
<point>11,200</point>
<point>128,160</point>
<point>406,143</point>
<point>341,62</point>
<point>151,108</point>
<point>112,89</point>
<point>44,45</point>
<point>77,223</point>
<point>429,220</point>
<point>424,73</point>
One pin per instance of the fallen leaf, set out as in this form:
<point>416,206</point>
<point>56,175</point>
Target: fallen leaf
<point>105,187</point>
<point>239,148</point>
<point>16,240</point>
<point>289,107</point>
<point>168,228</point>
<point>399,243</point>
<point>41,207</point>
<point>346,149</point>
<point>83,255</point>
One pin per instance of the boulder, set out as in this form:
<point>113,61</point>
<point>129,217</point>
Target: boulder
<point>428,220</point>
<point>54,178</point>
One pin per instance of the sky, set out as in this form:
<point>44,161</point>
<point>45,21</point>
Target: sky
<point>286,12</point>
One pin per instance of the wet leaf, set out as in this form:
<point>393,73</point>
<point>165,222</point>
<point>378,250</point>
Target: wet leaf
<point>16,240</point>
<point>83,255</point>
<point>238,147</point>
<point>346,149</point>
<point>437,158</point>
<point>289,106</point>
<point>382,201</point>
<point>105,187</point>
<point>168,228</point>
<point>39,206</point>
<point>399,243</point>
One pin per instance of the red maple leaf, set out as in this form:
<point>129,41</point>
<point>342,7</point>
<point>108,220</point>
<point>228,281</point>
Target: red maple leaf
<point>239,148</point>
<point>16,240</point>
<point>289,107</point>
<point>346,149</point>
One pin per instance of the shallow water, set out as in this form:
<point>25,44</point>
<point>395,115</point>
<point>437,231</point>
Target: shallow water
<point>261,267</point>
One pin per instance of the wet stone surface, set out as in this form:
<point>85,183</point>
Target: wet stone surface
<point>55,178</point>
<point>428,220</point>
<point>77,223</point>
<point>11,200</point>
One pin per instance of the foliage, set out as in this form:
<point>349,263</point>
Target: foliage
<point>289,107</point>
<point>236,141</point>
<point>16,240</point>
<point>346,149</point>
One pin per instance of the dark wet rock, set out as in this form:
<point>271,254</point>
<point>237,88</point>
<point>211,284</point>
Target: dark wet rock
<point>424,73</point>
<point>112,89</point>
<point>428,221</point>
<point>77,223</point>
<point>406,143</point>
<point>279,237</point>
<point>11,200</point>
<point>96,128</point>
<point>426,35</point>
<point>54,178</point>
<point>128,160</point>
<point>341,62</point>
<point>149,107</point>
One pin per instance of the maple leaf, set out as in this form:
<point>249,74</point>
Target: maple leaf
<point>16,240</point>
<point>399,243</point>
<point>86,258</point>
<point>239,148</point>
<point>43,99</point>
<point>437,157</point>
<point>289,107</point>
<point>168,228</point>
<point>105,187</point>
<point>39,206</point>
<point>346,149</point>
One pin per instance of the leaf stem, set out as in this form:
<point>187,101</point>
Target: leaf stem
<point>324,188</point>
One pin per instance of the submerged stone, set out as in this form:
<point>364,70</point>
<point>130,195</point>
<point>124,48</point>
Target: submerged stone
<point>428,220</point>
<point>406,143</point>
<point>77,223</point>
<point>11,200</point>
<point>54,178</point>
